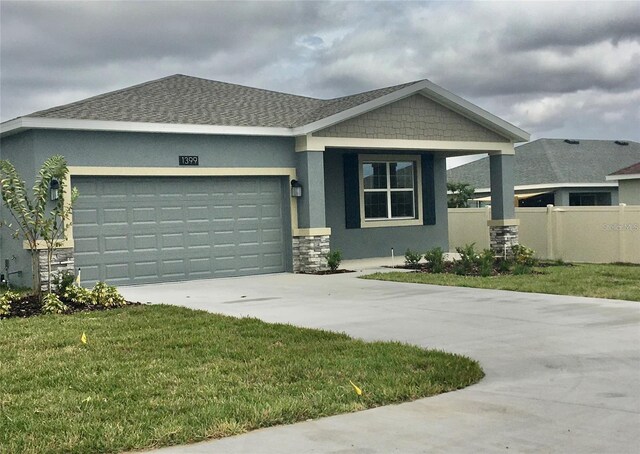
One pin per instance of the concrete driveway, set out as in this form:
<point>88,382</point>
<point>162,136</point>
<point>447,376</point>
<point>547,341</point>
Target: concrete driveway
<point>563,373</point>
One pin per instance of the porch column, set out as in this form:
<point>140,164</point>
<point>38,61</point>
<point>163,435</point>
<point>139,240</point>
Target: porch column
<point>311,238</point>
<point>503,226</point>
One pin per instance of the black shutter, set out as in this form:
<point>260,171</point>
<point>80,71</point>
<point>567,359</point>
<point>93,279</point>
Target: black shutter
<point>351,191</point>
<point>428,190</point>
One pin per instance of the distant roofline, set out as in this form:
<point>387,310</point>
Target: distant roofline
<point>631,172</point>
<point>528,187</point>
<point>424,87</point>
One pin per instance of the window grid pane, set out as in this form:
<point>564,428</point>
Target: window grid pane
<point>402,204</point>
<point>374,175</point>
<point>389,189</point>
<point>401,175</point>
<point>375,205</point>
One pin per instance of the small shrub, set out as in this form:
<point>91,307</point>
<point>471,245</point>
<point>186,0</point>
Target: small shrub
<point>468,258</point>
<point>6,300</point>
<point>486,261</point>
<point>523,255</point>
<point>77,295</point>
<point>51,304</point>
<point>107,295</point>
<point>62,281</point>
<point>333,259</point>
<point>503,265</point>
<point>412,258</point>
<point>435,260</point>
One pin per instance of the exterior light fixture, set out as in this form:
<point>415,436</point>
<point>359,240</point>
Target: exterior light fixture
<point>54,189</point>
<point>296,188</point>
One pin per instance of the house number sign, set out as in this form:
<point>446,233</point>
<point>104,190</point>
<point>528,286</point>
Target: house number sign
<point>188,160</point>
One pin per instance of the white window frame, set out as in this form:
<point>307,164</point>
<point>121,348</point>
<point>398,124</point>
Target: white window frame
<point>417,191</point>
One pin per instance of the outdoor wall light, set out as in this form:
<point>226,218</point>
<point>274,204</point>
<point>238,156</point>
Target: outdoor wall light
<point>296,188</point>
<point>54,188</point>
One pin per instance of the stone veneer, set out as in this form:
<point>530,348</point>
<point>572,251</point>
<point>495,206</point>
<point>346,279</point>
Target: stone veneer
<point>309,253</point>
<point>61,261</point>
<point>501,238</point>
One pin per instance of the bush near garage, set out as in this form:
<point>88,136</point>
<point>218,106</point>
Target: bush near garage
<point>67,298</point>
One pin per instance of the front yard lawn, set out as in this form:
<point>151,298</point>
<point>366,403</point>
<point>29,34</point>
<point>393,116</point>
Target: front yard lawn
<point>152,376</point>
<point>614,281</point>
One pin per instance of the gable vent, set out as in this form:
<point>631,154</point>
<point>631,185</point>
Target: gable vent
<point>621,143</point>
<point>571,141</point>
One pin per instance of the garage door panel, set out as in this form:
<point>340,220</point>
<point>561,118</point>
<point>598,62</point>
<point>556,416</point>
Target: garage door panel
<point>139,229</point>
<point>143,215</point>
<point>144,270</point>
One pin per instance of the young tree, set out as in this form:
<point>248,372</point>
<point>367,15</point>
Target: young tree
<point>461,193</point>
<point>37,219</point>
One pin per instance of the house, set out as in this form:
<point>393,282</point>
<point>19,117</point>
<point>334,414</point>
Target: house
<point>186,178</point>
<point>557,172</point>
<point>628,184</point>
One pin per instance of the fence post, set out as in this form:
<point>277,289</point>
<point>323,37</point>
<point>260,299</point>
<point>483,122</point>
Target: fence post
<point>620,230</point>
<point>487,213</point>
<point>550,229</point>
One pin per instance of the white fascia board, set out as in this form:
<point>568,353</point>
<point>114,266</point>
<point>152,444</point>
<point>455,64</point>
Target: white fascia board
<point>474,112</point>
<point>20,124</point>
<point>527,187</point>
<point>432,91</point>
<point>627,176</point>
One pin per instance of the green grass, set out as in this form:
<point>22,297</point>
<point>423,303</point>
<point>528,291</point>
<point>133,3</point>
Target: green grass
<point>152,376</point>
<point>614,281</point>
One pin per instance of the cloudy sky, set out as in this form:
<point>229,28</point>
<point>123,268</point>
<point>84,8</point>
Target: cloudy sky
<point>555,69</point>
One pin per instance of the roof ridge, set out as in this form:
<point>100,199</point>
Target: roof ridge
<point>102,95</point>
<point>552,162</point>
<point>247,86</point>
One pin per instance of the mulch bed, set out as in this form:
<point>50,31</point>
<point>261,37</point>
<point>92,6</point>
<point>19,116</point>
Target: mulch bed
<point>327,272</point>
<point>29,306</point>
<point>449,268</point>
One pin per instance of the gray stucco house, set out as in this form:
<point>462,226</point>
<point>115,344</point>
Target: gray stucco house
<point>561,172</point>
<point>187,178</point>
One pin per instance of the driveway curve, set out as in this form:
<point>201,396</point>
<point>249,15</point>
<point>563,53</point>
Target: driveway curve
<point>562,373</point>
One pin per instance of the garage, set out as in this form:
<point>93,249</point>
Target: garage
<point>134,230</point>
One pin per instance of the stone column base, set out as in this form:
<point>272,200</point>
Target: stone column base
<point>309,253</point>
<point>62,261</point>
<point>501,238</point>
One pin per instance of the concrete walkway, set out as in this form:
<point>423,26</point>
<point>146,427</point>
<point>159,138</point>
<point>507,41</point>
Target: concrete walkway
<point>563,373</point>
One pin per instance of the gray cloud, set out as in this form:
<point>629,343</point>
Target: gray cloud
<point>554,68</point>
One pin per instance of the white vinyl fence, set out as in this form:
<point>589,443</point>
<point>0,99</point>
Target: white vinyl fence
<point>601,234</point>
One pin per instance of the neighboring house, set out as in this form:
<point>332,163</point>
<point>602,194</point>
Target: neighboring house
<point>186,178</point>
<point>557,172</point>
<point>628,184</point>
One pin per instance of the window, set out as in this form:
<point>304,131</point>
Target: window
<point>589,198</point>
<point>389,190</point>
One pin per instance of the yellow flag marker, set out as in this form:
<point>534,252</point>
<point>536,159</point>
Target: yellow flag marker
<point>357,390</point>
<point>83,338</point>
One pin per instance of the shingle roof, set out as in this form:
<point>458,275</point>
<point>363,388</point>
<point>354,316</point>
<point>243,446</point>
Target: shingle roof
<point>631,170</point>
<point>554,161</point>
<point>191,100</point>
